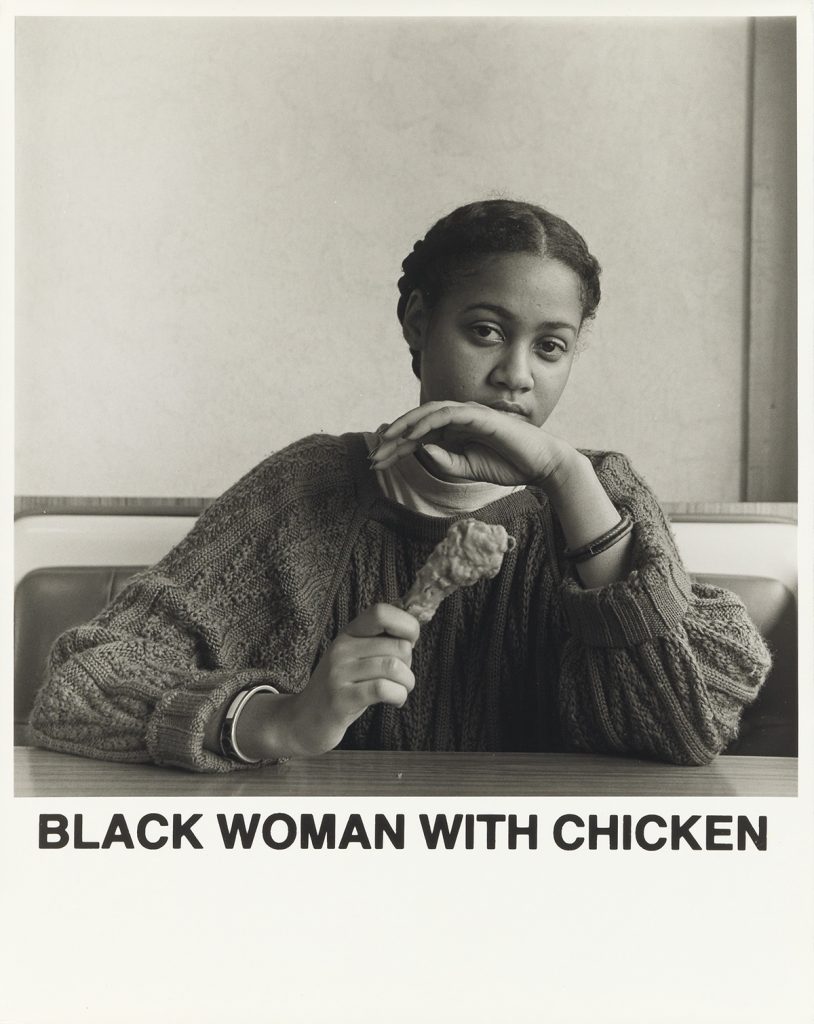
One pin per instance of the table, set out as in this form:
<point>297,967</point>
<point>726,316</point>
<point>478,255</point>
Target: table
<point>41,773</point>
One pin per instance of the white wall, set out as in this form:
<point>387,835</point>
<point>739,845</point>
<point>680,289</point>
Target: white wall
<point>212,213</point>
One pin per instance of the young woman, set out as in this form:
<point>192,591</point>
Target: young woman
<point>271,630</point>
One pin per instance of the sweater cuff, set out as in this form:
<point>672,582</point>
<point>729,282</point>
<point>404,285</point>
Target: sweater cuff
<point>650,602</point>
<point>176,730</point>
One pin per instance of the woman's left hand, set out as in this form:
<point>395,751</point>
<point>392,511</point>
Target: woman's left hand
<point>470,441</point>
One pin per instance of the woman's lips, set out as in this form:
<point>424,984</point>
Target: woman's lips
<point>511,407</point>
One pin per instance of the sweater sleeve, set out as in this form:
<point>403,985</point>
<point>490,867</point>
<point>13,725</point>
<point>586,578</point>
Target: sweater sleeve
<point>225,608</point>
<point>654,665</point>
<point>139,682</point>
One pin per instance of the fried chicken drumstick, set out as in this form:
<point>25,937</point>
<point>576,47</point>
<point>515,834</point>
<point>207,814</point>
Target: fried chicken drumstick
<point>471,551</point>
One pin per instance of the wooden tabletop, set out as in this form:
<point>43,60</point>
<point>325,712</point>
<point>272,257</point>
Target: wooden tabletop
<point>41,773</point>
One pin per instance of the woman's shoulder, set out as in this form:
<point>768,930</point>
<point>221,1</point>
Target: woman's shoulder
<point>618,475</point>
<point>300,459</point>
<point>312,465</point>
<point>611,463</point>
<point>602,457</point>
<point>628,489</point>
<point>312,473</point>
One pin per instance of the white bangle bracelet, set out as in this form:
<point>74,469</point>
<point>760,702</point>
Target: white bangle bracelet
<point>228,741</point>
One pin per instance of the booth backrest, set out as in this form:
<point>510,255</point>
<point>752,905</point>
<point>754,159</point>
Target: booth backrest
<point>69,567</point>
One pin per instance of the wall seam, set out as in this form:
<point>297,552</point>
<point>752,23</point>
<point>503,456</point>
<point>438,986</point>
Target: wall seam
<point>746,364</point>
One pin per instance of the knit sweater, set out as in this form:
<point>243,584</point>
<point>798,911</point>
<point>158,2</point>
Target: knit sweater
<point>650,666</point>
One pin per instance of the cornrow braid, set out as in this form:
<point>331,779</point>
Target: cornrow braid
<point>411,267</point>
<point>490,227</point>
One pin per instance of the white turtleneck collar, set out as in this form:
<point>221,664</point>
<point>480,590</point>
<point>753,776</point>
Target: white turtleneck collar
<point>410,484</point>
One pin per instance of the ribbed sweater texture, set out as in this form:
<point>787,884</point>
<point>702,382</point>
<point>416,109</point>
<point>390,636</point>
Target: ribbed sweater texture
<point>651,666</point>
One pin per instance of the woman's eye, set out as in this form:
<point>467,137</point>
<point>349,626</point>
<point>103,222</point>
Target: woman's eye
<point>487,332</point>
<point>551,347</point>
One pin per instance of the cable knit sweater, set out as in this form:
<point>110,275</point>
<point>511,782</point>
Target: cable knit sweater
<point>649,666</point>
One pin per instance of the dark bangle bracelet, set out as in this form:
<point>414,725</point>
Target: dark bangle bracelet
<point>228,743</point>
<point>602,543</point>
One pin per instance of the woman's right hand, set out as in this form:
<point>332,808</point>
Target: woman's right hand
<point>368,663</point>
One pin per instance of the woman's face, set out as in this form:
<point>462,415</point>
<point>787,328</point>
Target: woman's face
<point>503,334</point>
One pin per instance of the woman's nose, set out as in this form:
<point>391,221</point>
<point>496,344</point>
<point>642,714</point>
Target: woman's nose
<point>513,370</point>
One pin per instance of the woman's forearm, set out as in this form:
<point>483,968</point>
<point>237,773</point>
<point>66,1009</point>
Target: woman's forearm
<point>264,730</point>
<point>586,512</point>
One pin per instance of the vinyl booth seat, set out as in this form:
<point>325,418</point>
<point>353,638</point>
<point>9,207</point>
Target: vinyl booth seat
<point>68,567</point>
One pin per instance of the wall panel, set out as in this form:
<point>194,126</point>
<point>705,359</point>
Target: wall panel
<point>211,216</point>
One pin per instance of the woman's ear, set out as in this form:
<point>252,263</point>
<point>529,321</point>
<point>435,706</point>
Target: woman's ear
<point>414,324</point>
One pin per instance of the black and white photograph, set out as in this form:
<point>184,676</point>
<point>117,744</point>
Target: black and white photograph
<point>406,495</point>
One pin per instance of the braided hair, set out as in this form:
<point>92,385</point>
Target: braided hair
<point>490,227</point>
